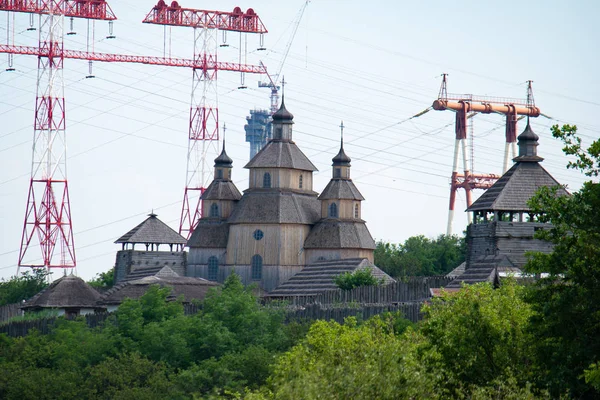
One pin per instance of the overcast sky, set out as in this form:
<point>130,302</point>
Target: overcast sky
<point>371,64</point>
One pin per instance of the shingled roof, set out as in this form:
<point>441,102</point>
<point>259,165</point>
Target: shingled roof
<point>152,230</point>
<point>341,189</point>
<point>67,292</point>
<point>484,269</point>
<point>281,154</point>
<point>512,191</point>
<point>266,206</point>
<point>221,190</point>
<point>335,234</point>
<point>188,287</point>
<point>209,234</point>
<point>319,277</point>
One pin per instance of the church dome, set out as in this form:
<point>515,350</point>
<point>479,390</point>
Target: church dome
<point>283,115</point>
<point>223,160</point>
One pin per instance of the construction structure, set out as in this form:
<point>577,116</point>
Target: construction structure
<point>48,222</point>
<point>258,130</point>
<point>466,106</point>
<point>203,135</point>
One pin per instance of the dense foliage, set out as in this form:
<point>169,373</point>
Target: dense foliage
<point>150,349</point>
<point>421,256</point>
<point>473,344</point>
<point>567,302</point>
<point>103,280</point>
<point>360,277</point>
<point>19,288</point>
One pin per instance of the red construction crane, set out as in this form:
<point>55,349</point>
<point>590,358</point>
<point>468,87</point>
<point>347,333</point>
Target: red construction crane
<point>465,106</point>
<point>48,222</point>
<point>204,114</point>
<point>48,213</point>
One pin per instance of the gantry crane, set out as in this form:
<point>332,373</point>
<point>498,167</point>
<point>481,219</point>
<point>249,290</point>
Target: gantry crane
<point>464,105</point>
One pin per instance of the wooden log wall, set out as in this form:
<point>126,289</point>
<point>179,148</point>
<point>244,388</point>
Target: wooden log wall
<point>9,311</point>
<point>410,311</point>
<point>411,290</point>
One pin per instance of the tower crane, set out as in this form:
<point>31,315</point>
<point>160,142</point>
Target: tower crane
<point>273,83</point>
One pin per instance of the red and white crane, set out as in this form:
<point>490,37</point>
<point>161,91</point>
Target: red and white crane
<point>204,113</point>
<point>48,222</point>
<point>465,106</point>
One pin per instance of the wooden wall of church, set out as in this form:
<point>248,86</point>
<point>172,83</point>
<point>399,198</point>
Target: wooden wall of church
<point>280,244</point>
<point>345,208</point>
<point>282,178</point>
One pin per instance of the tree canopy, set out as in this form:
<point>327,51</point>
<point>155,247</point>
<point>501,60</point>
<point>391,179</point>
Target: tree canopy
<point>421,256</point>
<point>567,300</point>
<point>19,288</point>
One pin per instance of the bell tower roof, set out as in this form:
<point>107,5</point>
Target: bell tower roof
<point>223,160</point>
<point>528,143</point>
<point>341,159</point>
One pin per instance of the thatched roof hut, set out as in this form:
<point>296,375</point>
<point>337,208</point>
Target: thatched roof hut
<point>69,295</point>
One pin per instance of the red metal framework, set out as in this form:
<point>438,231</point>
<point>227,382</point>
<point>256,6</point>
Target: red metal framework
<point>89,9</point>
<point>175,15</point>
<point>466,106</point>
<point>150,60</point>
<point>48,217</point>
<point>204,113</point>
<point>48,213</point>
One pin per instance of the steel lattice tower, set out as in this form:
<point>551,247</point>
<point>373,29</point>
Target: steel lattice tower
<point>203,134</point>
<point>48,221</point>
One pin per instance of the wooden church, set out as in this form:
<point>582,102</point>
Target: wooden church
<point>279,225</point>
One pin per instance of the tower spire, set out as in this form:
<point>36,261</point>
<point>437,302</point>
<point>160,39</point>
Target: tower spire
<point>342,135</point>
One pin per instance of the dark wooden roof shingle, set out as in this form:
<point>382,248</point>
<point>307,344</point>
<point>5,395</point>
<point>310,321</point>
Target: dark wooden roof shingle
<point>332,233</point>
<point>281,154</point>
<point>152,230</point>
<point>188,287</point>
<point>221,190</point>
<point>319,277</point>
<point>271,206</point>
<point>512,191</point>
<point>209,234</point>
<point>341,189</point>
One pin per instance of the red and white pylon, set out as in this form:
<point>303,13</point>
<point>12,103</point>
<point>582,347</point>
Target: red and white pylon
<point>48,223</point>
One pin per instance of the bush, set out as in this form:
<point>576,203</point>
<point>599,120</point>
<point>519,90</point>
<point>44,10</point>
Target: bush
<point>360,277</point>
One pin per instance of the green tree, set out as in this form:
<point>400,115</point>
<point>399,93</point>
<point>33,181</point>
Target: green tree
<point>351,361</point>
<point>421,256</point>
<point>19,288</point>
<point>481,336</point>
<point>103,280</point>
<point>360,277</point>
<point>567,300</point>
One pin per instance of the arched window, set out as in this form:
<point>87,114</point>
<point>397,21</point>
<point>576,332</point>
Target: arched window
<point>333,210</point>
<point>214,210</point>
<point>256,267</point>
<point>213,268</point>
<point>300,182</point>
<point>219,174</point>
<point>356,211</point>
<point>338,173</point>
<point>267,180</point>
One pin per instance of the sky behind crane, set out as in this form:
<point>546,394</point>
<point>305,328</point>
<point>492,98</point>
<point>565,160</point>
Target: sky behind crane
<point>371,65</point>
